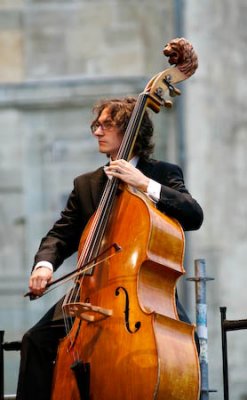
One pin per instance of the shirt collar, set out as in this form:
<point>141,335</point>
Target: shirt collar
<point>133,161</point>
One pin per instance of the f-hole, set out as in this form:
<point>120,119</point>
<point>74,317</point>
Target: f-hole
<point>126,310</point>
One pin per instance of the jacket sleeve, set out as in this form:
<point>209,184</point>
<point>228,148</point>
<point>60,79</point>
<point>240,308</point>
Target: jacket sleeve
<point>177,202</point>
<point>63,238</point>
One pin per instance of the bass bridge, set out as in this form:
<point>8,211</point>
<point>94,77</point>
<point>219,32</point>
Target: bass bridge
<point>86,311</point>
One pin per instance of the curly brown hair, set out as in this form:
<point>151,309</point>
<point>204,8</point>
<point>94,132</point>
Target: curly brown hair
<point>120,110</point>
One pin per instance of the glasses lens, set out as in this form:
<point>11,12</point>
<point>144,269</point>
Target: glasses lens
<point>104,126</point>
<point>95,126</point>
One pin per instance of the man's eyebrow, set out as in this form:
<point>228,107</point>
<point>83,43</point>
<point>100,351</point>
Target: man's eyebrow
<point>108,119</point>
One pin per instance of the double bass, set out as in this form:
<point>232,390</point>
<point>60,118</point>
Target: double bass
<point>124,338</point>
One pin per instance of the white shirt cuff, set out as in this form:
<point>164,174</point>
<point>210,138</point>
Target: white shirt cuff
<point>153,190</point>
<point>45,264</point>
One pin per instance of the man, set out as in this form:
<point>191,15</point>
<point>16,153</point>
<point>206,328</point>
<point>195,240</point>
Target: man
<point>162,182</point>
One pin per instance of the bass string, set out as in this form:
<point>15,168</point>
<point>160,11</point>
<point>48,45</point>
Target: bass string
<point>105,206</point>
<point>132,128</point>
<point>86,254</point>
<point>110,189</point>
<point>94,236</point>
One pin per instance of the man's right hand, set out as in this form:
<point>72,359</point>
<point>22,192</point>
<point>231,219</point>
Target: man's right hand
<point>39,279</point>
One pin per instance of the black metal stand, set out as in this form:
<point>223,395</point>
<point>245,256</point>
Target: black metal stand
<point>8,346</point>
<point>1,366</point>
<point>227,325</point>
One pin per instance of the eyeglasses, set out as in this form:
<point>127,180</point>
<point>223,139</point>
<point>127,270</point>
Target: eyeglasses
<point>104,126</point>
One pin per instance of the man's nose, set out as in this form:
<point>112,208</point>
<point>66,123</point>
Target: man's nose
<point>99,131</point>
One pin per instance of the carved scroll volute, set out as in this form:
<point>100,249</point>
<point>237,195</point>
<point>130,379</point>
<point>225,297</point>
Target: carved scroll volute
<point>180,53</point>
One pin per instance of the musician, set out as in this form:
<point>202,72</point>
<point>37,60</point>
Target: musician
<point>161,181</point>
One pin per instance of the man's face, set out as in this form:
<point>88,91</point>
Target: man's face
<point>108,135</point>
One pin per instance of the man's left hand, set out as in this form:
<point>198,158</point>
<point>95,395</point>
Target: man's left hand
<point>127,173</point>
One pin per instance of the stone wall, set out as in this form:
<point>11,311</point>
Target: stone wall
<point>216,143</point>
<point>57,58</point>
<point>41,39</point>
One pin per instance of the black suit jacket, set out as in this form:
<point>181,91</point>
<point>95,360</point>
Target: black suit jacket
<point>63,239</point>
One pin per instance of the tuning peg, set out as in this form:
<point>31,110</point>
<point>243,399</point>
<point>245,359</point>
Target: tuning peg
<point>168,103</point>
<point>173,91</point>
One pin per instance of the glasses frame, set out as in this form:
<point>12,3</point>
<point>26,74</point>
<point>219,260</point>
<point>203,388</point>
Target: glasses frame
<point>107,125</point>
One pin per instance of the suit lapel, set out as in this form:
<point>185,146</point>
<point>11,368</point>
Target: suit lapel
<point>98,179</point>
<point>146,166</point>
<point>97,183</point>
